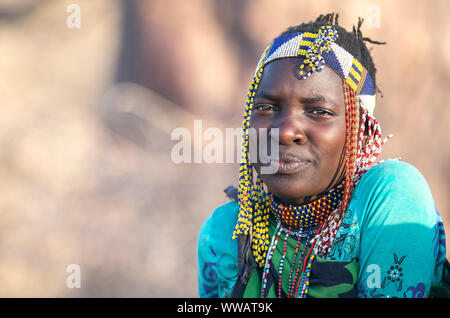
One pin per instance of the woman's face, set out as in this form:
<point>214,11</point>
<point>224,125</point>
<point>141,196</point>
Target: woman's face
<point>310,116</point>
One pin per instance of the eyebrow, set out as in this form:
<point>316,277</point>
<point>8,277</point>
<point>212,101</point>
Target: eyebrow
<point>266,95</point>
<point>313,99</point>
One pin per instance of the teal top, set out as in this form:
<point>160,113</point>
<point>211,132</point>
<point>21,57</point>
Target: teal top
<point>391,243</point>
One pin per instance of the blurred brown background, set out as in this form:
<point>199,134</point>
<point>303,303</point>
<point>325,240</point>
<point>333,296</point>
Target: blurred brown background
<point>87,113</point>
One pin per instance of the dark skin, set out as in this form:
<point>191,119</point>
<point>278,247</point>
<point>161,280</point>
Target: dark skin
<point>310,116</point>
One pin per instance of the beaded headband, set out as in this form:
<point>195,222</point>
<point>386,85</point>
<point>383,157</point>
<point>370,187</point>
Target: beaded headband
<point>320,49</point>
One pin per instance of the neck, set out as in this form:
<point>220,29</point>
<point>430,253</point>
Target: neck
<point>306,214</point>
<point>294,201</point>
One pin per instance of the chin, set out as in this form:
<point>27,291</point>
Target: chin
<point>292,187</point>
<point>292,193</point>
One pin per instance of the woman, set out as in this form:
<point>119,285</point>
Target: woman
<point>329,222</point>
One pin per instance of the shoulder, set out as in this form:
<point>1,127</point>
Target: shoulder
<point>217,252</point>
<point>393,175</point>
<point>221,222</point>
<point>393,171</point>
<point>396,188</point>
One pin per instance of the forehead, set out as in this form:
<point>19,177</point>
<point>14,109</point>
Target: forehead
<point>280,76</point>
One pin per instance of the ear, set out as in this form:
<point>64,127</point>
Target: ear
<point>365,140</point>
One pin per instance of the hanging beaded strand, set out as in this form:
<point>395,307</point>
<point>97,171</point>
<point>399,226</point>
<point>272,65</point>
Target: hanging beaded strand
<point>253,200</point>
<point>306,269</point>
<point>351,144</point>
<point>371,143</point>
<point>280,270</point>
<point>294,268</point>
<point>305,285</point>
<point>273,245</point>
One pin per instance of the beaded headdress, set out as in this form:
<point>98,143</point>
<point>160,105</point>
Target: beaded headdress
<point>363,134</point>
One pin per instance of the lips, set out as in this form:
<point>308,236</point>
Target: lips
<point>290,164</point>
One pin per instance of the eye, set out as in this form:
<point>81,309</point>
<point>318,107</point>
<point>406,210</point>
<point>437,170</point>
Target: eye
<point>320,113</point>
<point>265,108</point>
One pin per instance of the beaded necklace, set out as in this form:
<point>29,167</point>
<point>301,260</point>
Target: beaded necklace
<point>306,215</point>
<point>302,270</point>
<point>305,218</point>
<point>273,244</point>
<point>292,278</point>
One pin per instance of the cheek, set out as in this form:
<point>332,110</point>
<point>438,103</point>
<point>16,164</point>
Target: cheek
<point>258,121</point>
<point>260,128</point>
<point>330,141</point>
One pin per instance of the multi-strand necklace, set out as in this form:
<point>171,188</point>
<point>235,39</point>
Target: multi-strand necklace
<point>306,215</point>
<point>303,222</point>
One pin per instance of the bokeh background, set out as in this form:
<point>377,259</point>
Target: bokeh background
<point>86,117</point>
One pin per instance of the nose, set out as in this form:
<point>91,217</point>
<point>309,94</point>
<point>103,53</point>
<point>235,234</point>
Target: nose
<point>291,130</point>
